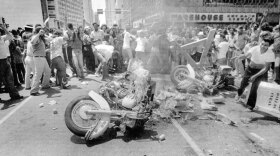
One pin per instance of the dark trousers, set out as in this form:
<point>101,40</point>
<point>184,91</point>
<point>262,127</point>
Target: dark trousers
<point>6,74</point>
<point>277,74</point>
<point>70,60</point>
<point>64,54</point>
<point>60,66</point>
<point>20,72</point>
<point>89,57</point>
<point>249,72</point>
<point>14,72</point>
<point>244,63</point>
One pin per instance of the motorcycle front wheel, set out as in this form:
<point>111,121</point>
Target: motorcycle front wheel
<point>78,122</point>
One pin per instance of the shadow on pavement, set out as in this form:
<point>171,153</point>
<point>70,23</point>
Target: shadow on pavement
<point>91,79</point>
<point>73,87</point>
<point>77,140</point>
<point>139,135</point>
<point>111,133</point>
<point>10,103</point>
<point>265,118</point>
<point>50,92</point>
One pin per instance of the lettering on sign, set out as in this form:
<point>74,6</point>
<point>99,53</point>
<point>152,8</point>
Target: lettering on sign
<point>212,17</point>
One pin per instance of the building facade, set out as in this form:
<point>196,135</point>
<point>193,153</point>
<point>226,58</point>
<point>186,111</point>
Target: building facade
<point>127,15</point>
<point>203,11</point>
<point>18,13</point>
<point>113,17</point>
<point>110,12</point>
<point>88,12</point>
<point>62,12</point>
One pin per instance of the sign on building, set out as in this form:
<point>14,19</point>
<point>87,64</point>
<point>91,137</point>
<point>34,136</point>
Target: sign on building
<point>212,17</point>
<point>99,11</point>
<point>118,11</point>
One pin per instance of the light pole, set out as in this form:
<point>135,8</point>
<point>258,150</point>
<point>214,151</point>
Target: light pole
<point>130,18</point>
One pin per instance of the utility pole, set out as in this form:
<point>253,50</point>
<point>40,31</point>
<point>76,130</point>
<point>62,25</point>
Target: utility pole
<point>130,20</point>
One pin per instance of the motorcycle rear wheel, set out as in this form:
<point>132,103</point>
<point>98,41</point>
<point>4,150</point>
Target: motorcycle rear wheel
<point>77,121</point>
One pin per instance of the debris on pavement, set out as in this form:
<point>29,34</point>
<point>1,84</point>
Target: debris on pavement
<point>54,128</point>
<point>209,152</point>
<point>41,105</point>
<point>161,137</point>
<point>218,99</point>
<point>245,120</point>
<point>55,111</point>
<point>205,105</point>
<point>84,83</point>
<point>257,136</point>
<point>52,102</point>
<point>225,119</point>
<point>172,103</point>
<point>158,138</point>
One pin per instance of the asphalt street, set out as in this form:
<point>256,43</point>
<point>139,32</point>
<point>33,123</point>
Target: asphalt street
<point>31,130</point>
<point>28,129</point>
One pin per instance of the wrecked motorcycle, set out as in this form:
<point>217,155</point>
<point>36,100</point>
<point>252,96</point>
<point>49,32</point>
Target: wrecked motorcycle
<point>120,103</point>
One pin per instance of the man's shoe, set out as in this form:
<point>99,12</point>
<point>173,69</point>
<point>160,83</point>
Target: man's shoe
<point>28,88</point>
<point>35,94</point>
<point>17,97</point>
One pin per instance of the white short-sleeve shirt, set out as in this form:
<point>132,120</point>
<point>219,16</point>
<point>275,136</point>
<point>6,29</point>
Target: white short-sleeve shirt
<point>56,47</point>
<point>141,44</point>
<point>259,58</point>
<point>4,47</point>
<point>223,49</point>
<point>105,50</point>
<point>29,49</point>
<point>126,40</point>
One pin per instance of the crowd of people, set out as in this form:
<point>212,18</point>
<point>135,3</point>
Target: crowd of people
<point>252,50</point>
<point>32,55</point>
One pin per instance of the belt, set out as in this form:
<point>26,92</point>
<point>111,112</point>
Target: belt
<point>255,67</point>
<point>39,56</point>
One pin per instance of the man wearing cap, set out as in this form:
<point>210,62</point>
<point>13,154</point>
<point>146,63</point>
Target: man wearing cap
<point>5,67</point>
<point>29,62</point>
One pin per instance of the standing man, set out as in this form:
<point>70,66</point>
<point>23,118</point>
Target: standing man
<point>276,49</point>
<point>38,42</point>
<point>69,35</point>
<point>240,41</point>
<point>87,51</point>
<point>261,57</point>
<point>5,67</point>
<point>127,51</point>
<point>57,59</point>
<point>97,36</point>
<point>223,47</point>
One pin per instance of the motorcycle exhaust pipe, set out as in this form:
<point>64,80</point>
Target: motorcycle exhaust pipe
<point>110,112</point>
<point>91,112</point>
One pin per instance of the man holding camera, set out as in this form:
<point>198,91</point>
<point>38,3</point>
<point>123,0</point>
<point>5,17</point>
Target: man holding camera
<point>38,42</point>
<point>5,67</point>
